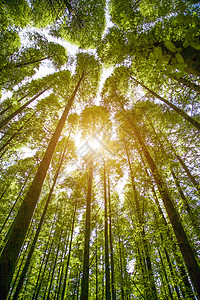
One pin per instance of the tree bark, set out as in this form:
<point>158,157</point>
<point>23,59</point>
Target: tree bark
<point>186,82</point>
<point>10,117</point>
<point>32,248</point>
<point>13,136</point>
<point>10,253</point>
<point>185,248</point>
<point>111,244</point>
<point>7,108</point>
<point>23,64</point>
<point>107,269</point>
<point>191,177</point>
<point>175,108</point>
<point>152,290</point>
<point>85,278</point>
<point>69,252</point>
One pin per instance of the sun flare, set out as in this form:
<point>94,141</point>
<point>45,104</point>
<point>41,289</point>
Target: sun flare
<point>95,144</point>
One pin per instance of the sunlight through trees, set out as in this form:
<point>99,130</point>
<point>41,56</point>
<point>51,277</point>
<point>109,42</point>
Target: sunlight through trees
<point>99,150</point>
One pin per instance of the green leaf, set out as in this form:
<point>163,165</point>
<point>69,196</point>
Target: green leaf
<point>186,43</point>
<point>195,45</point>
<point>157,52</point>
<point>170,46</point>
<point>179,58</point>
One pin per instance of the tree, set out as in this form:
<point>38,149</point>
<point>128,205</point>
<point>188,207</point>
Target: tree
<point>26,210</point>
<point>119,217</point>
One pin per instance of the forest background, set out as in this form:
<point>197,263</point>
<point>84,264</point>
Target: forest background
<point>99,149</point>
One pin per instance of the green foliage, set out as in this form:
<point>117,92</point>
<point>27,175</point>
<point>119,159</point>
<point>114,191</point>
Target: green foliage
<point>84,25</point>
<point>154,47</point>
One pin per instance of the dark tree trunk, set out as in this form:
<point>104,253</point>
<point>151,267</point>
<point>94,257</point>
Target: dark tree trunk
<point>186,82</point>
<point>152,292</point>
<point>186,250</point>
<point>54,266</point>
<point>186,205</point>
<point>14,135</point>
<point>173,243</point>
<point>111,245</point>
<point>45,255</point>
<point>165,275</point>
<point>7,108</point>
<point>191,177</point>
<point>107,269</point>
<point>175,108</point>
<point>69,252</point>
<point>120,263</point>
<point>32,248</point>
<point>10,253</point>
<point>62,268</point>
<point>96,265</point>
<point>85,278</point>
<point>23,64</point>
<point>40,281</point>
<point>17,199</point>
<point>19,110</point>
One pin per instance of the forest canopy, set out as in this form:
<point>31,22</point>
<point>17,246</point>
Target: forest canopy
<point>99,149</point>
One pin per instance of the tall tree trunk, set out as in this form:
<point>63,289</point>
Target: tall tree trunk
<point>45,255</point>
<point>10,253</point>
<point>186,205</point>
<point>54,266</point>
<point>38,287</point>
<point>120,262</point>
<point>18,197</point>
<point>168,231</point>
<point>186,250</point>
<point>191,177</point>
<point>62,268</point>
<point>96,265</point>
<point>10,117</point>
<point>8,107</point>
<point>111,244</point>
<point>107,269</point>
<point>173,274</point>
<point>165,275</point>
<point>85,278</point>
<point>153,292</point>
<point>69,252</point>
<point>23,64</point>
<point>18,271</point>
<point>14,135</point>
<point>175,108</point>
<point>32,248</point>
<point>186,82</point>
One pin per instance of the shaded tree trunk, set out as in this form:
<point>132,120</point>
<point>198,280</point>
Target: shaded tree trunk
<point>152,292</point>
<point>14,135</point>
<point>54,266</point>
<point>186,82</point>
<point>19,110</point>
<point>107,269</point>
<point>23,64</point>
<point>175,108</point>
<point>69,251</point>
<point>26,266</point>
<point>7,108</point>
<point>191,177</point>
<point>186,250</point>
<point>186,205</point>
<point>10,253</point>
<point>85,278</point>
<point>36,289</point>
<point>111,244</point>
<point>18,197</point>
